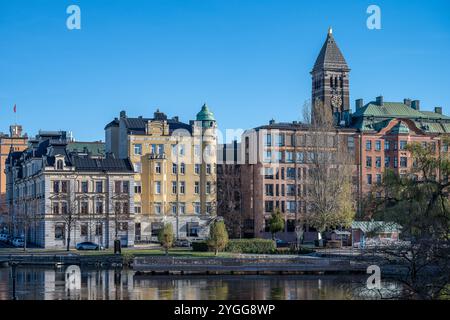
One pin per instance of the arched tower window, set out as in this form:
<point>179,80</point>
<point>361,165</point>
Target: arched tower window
<point>331,82</point>
<point>341,81</point>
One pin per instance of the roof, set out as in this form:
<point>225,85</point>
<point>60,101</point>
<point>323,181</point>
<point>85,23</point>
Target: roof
<point>96,149</point>
<point>374,116</point>
<point>138,125</point>
<point>205,114</point>
<point>330,56</point>
<point>376,226</point>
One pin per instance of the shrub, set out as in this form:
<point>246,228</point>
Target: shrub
<point>218,237</point>
<point>251,246</point>
<point>166,237</point>
<point>199,246</point>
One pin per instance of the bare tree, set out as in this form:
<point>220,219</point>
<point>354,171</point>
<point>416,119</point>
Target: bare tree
<point>329,181</point>
<point>230,199</point>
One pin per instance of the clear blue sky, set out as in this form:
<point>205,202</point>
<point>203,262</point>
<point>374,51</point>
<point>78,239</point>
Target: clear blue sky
<point>248,59</point>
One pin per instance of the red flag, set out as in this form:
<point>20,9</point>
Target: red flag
<point>15,109</point>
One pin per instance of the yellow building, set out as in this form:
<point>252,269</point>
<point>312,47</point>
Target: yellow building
<point>175,171</point>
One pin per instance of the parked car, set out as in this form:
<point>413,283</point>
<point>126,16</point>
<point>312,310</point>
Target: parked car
<point>18,242</point>
<point>183,243</point>
<point>4,237</point>
<point>281,243</point>
<point>89,246</point>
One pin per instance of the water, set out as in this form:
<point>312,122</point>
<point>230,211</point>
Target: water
<point>37,283</point>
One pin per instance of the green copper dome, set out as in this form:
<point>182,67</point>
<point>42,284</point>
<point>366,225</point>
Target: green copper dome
<point>205,114</point>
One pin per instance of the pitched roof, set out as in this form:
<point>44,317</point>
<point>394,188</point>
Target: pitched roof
<point>330,56</point>
<point>96,149</point>
<point>108,164</point>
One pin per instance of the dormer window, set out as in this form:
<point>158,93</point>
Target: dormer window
<point>59,164</point>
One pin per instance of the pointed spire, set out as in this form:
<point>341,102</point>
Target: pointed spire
<point>330,56</point>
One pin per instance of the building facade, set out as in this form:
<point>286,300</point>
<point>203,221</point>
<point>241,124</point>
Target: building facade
<point>53,190</point>
<point>175,171</point>
<point>271,163</point>
<point>15,141</point>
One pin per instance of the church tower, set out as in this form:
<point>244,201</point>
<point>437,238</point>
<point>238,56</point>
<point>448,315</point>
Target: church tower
<point>330,82</point>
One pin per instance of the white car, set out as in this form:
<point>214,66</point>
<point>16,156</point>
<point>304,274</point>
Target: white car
<point>3,237</point>
<point>18,242</point>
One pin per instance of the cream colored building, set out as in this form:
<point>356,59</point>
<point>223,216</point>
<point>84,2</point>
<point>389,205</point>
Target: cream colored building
<point>175,171</point>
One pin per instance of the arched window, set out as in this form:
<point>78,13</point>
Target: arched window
<point>341,82</point>
<point>331,82</point>
<point>335,82</point>
<point>59,165</point>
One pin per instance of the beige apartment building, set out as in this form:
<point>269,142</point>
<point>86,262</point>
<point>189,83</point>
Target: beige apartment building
<point>175,171</point>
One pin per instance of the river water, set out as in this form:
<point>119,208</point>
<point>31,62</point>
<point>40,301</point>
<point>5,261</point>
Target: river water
<point>37,283</point>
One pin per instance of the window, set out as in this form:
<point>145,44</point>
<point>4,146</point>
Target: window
<point>197,208</point>
<point>55,208</point>
<point>268,140</point>
<point>289,156</point>
<point>84,230</point>
<point>268,206</point>
<point>368,162</point>
<point>174,168</point>
<point>84,207</point>
<point>279,156</point>
<point>157,207</point>
<point>290,206</point>
<point>56,186</point>
<point>59,165</point>
<point>267,156</point>
<point>300,157</point>
<point>182,208</point>
<point>60,231</point>
<point>117,186</point>
<point>196,187</point>
<point>208,208</point>
<point>174,187</point>
<point>395,145</point>
<point>197,168</point>
<point>395,162</point>
<point>98,229</point>
<point>378,178</point>
<point>387,161</point>
<point>378,145</point>
<point>192,229</point>
<point>137,209</point>
<point>158,167</point>
<point>64,187</point>
<point>369,179</point>
<point>290,173</point>
<point>64,208</point>
<point>368,145</point>
<point>182,187</point>
<point>84,187</point>
<point>403,144</point>
<point>138,149</point>
<point>182,168</point>
<point>125,208</point>
<point>280,139</point>
<point>99,207</point>
<point>137,187</point>
<point>403,162</point>
<point>290,190</point>
<point>126,187</point>
<point>99,186</point>
<point>157,187</point>
<point>269,190</point>
<point>378,162</point>
<point>174,209</point>
<point>208,187</point>
<point>387,145</point>
<point>208,169</point>
<point>268,173</point>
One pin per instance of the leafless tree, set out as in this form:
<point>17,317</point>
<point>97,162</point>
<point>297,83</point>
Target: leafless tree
<point>330,202</point>
<point>229,198</point>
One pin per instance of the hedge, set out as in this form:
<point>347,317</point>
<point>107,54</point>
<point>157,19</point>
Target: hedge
<point>251,246</point>
<point>199,246</point>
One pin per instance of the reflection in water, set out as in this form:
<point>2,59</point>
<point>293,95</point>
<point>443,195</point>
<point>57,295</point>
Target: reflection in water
<point>33,283</point>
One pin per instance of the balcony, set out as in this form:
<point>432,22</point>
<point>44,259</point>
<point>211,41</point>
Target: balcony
<point>157,156</point>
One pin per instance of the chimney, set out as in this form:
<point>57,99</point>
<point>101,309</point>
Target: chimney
<point>123,114</point>
<point>359,103</point>
<point>271,122</point>
<point>379,100</point>
<point>415,104</point>
<point>176,119</point>
<point>438,110</point>
<point>407,102</point>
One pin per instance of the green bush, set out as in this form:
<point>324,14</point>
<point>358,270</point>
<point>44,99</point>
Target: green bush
<point>200,246</point>
<point>261,246</point>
